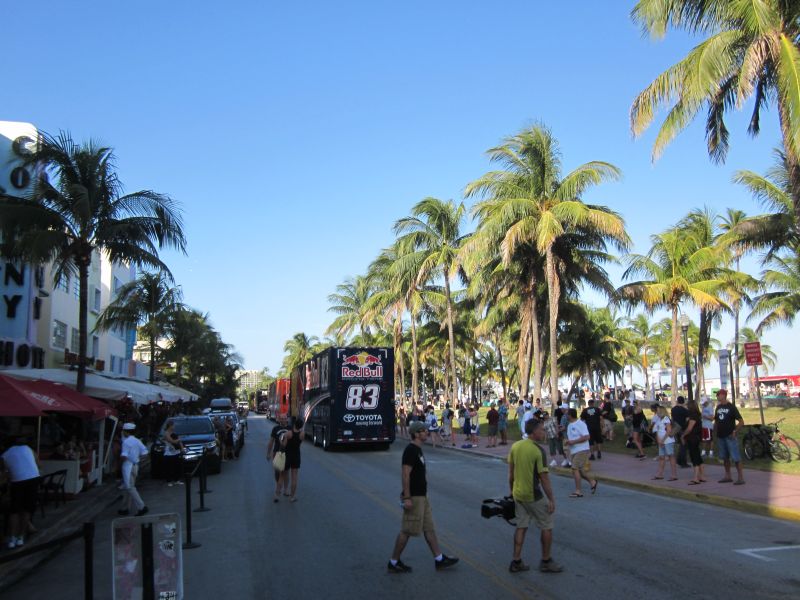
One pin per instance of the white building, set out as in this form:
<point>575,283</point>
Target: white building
<point>41,318</point>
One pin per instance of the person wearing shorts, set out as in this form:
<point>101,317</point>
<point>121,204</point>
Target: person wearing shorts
<point>417,516</point>
<point>527,477</point>
<point>578,442</point>
<point>727,423</point>
<point>23,470</point>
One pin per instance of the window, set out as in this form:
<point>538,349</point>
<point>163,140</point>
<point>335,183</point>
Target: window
<point>96,305</point>
<point>95,346</point>
<point>116,285</point>
<point>113,364</point>
<point>75,342</point>
<point>59,334</point>
<point>63,284</point>
<point>76,290</point>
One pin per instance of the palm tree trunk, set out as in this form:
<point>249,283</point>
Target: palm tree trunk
<point>398,336</point>
<point>736,386</point>
<point>83,319</point>
<point>152,357</point>
<point>414,360</point>
<point>450,336</point>
<point>502,368</point>
<point>554,293</point>
<point>537,346</point>
<point>674,352</point>
<point>792,163</point>
<point>522,353</point>
<point>702,351</point>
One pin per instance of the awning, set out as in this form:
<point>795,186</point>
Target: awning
<point>109,388</point>
<point>34,398</point>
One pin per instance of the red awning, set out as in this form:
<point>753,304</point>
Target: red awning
<point>25,398</point>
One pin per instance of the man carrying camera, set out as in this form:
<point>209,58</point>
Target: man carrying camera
<point>527,476</point>
<point>417,517</point>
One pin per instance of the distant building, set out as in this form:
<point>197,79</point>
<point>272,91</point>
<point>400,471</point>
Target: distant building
<point>248,379</point>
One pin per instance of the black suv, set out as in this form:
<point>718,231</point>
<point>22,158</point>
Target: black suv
<point>196,433</point>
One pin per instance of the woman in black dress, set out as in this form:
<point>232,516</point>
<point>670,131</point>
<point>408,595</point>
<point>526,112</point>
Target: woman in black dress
<point>294,438</point>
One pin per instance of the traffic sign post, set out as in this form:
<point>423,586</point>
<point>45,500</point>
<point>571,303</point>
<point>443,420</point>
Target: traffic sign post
<point>752,355</point>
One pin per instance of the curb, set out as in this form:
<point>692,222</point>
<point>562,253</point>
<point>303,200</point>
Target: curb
<point>766,510</point>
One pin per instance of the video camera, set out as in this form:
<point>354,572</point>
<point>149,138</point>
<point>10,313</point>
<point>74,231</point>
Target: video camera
<point>499,507</point>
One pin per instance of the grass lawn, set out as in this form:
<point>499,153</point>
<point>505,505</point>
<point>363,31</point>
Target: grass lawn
<point>790,426</point>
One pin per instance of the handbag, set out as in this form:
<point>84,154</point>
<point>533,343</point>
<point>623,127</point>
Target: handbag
<point>279,461</point>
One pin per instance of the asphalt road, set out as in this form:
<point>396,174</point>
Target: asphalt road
<point>335,541</point>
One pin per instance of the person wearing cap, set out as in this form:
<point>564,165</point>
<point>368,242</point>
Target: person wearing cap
<point>417,516</point>
<point>132,452</point>
<point>727,423</point>
<point>527,477</point>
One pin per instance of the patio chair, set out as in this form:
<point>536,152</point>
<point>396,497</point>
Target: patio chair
<point>51,489</point>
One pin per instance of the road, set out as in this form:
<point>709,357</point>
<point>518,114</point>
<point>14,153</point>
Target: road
<point>335,541</point>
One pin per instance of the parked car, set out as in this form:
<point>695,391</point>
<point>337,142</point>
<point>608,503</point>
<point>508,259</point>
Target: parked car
<point>197,434</point>
<point>238,427</point>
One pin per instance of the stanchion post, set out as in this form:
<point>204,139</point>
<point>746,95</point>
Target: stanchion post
<point>202,486</point>
<point>189,544</point>
<point>88,561</point>
<point>204,473</point>
<point>148,568</point>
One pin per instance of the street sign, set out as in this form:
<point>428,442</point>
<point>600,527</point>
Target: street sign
<point>752,354</point>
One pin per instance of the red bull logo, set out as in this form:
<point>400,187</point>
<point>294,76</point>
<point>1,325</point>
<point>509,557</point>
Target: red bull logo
<point>362,366</point>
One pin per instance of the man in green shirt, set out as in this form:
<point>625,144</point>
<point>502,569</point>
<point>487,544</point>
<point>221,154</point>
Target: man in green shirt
<point>527,476</point>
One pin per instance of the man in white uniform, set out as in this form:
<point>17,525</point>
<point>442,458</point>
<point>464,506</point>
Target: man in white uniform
<point>132,452</point>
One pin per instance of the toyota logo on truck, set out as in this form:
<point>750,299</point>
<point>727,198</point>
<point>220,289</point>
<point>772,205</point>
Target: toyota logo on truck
<point>362,366</point>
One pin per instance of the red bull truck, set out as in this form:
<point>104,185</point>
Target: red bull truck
<point>346,397</point>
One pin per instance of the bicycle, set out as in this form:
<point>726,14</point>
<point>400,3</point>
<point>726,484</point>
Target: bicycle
<point>767,439</point>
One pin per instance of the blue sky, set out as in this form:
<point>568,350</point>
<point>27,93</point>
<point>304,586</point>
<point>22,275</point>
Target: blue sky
<point>294,136</point>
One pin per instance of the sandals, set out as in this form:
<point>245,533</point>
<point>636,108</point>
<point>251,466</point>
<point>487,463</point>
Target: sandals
<point>672,479</point>
<point>654,478</point>
<point>693,482</point>
<point>594,487</point>
<point>575,495</point>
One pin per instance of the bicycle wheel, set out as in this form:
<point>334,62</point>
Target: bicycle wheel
<point>752,447</point>
<point>779,452</point>
<point>794,447</point>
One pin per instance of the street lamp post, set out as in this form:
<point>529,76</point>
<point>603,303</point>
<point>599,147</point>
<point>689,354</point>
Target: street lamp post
<point>685,329</point>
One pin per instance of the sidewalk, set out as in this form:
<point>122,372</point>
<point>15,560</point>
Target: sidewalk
<point>765,493</point>
<point>57,522</point>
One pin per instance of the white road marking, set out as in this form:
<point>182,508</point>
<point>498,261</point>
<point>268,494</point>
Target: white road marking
<point>755,552</point>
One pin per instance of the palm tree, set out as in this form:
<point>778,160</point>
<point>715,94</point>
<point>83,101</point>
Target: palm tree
<point>751,51</point>
<point>348,303</point>
<point>730,222</point>
<point>781,302</point>
<point>429,241</point>
<point>299,349</point>
<point>82,212</point>
<point>149,302</point>
<point>641,335</point>
<point>675,271</point>
<point>530,202</point>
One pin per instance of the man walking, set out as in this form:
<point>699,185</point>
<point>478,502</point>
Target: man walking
<point>578,442</point>
<point>493,418</point>
<point>591,416</point>
<point>417,516</point>
<point>727,423</point>
<point>132,452</point>
<point>527,476</point>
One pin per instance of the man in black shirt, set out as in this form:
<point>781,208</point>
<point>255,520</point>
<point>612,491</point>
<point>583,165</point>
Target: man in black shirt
<point>727,423</point>
<point>417,517</point>
<point>277,444</point>
<point>679,416</point>
<point>591,415</point>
